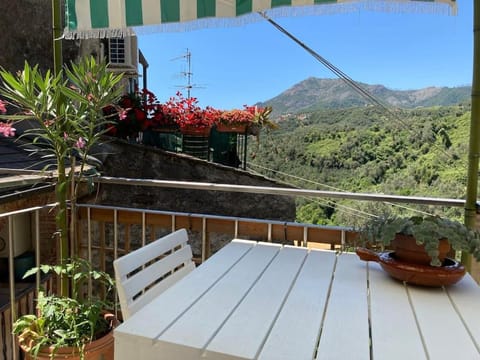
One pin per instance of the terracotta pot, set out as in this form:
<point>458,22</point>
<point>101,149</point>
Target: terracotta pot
<point>407,250</point>
<point>100,349</point>
<point>448,274</point>
<point>166,129</point>
<point>196,131</point>
<point>241,129</point>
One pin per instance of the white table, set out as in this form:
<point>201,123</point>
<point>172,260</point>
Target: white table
<point>264,301</point>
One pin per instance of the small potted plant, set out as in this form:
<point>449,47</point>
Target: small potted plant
<point>420,239</point>
<point>75,327</point>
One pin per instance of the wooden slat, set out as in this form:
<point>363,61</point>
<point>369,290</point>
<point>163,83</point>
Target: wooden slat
<point>201,322</point>
<point>346,307</point>
<point>294,233</point>
<point>442,329</point>
<point>222,226</point>
<point>394,330</point>
<point>246,329</point>
<point>151,263</point>
<point>255,230</point>
<point>295,333</point>
<point>144,278</point>
<point>166,308</point>
<point>287,232</point>
<point>325,235</point>
<point>189,222</point>
<point>465,295</point>
<point>160,220</point>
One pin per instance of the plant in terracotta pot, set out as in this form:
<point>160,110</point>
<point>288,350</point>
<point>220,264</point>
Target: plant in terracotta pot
<point>189,116</point>
<point>74,327</point>
<point>66,111</point>
<point>235,120</point>
<point>250,119</point>
<point>421,239</point>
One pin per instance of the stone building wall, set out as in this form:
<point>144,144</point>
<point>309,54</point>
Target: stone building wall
<point>122,159</point>
<point>26,35</point>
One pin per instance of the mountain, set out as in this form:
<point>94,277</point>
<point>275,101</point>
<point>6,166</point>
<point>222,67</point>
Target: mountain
<point>314,94</point>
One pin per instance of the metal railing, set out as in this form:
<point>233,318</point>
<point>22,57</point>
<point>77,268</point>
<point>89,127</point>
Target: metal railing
<point>113,231</point>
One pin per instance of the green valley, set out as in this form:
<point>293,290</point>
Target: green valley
<point>411,152</point>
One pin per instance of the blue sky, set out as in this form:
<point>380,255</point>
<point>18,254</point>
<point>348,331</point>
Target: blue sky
<point>233,66</point>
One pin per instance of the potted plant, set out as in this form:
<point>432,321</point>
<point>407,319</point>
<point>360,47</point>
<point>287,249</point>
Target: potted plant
<point>250,119</point>
<point>422,240</point>
<point>190,117</point>
<point>235,120</point>
<point>138,111</point>
<point>75,327</point>
<point>67,112</point>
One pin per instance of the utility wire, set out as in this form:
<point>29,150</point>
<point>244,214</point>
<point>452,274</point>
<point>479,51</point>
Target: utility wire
<point>326,202</point>
<point>347,79</point>
<point>333,188</point>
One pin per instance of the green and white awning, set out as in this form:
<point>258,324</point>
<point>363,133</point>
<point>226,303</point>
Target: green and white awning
<point>108,18</point>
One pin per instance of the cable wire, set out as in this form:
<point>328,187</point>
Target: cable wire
<point>333,188</point>
<point>347,79</point>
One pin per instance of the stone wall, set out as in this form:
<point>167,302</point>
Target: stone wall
<point>122,159</point>
<point>26,29</point>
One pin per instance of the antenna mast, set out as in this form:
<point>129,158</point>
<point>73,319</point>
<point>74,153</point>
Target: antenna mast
<point>189,73</point>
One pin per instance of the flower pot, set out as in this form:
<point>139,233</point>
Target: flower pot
<point>165,129</point>
<point>449,273</point>
<point>233,128</point>
<point>407,250</point>
<point>100,349</point>
<point>196,131</point>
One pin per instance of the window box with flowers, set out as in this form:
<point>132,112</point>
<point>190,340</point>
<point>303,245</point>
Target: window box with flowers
<point>235,120</point>
<point>138,112</point>
<point>249,120</point>
<point>127,117</point>
<point>191,119</point>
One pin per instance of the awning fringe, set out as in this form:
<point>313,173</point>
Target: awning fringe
<point>442,7</point>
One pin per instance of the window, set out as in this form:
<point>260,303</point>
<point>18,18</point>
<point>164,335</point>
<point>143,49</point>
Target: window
<point>117,51</point>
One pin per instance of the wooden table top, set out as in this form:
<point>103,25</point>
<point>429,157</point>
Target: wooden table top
<point>254,300</point>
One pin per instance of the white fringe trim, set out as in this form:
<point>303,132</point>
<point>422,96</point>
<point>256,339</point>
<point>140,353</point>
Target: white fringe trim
<point>442,7</point>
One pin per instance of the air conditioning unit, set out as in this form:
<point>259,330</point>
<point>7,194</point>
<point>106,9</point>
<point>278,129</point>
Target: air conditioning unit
<point>121,54</point>
<point>22,239</point>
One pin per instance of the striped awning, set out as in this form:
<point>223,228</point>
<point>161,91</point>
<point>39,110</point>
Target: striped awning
<point>109,18</point>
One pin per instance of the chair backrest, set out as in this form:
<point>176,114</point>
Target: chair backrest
<point>143,274</point>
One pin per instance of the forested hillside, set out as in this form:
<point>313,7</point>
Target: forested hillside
<point>410,152</point>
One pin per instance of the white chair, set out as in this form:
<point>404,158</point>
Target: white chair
<point>145,273</point>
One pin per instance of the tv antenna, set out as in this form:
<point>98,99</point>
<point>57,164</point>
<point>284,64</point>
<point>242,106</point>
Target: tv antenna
<point>187,73</point>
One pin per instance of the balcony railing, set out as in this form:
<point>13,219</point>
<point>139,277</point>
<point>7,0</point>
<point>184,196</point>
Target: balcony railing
<point>107,232</point>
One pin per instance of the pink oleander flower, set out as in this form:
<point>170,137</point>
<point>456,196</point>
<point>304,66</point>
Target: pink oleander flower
<point>123,114</point>
<point>7,130</point>
<point>80,144</point>
<point>3,108</point>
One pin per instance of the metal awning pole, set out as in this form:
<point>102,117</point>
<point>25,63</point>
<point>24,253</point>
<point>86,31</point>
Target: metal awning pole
<point>57,35</point>
<point>474,147</point>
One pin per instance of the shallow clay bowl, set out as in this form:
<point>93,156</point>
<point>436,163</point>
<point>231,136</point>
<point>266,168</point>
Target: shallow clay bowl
<point>449,273</point>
